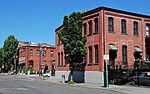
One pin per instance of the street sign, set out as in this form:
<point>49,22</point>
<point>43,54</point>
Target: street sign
<point>43,67</point>
<point>106,57</point>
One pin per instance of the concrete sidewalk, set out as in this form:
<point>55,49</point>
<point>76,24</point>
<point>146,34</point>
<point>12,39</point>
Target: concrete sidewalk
<point>122,89</point>
<point>128,89</point>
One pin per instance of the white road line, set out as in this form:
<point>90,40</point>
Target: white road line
<point>31,86</point>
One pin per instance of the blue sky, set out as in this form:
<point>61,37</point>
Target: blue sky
<point>36,20</point>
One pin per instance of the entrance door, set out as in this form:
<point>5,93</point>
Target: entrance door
<point>112,55</point>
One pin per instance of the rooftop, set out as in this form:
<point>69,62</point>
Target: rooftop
<point>113,10</point>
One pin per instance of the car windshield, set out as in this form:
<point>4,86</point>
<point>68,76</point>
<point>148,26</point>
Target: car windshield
<point>143,74</point>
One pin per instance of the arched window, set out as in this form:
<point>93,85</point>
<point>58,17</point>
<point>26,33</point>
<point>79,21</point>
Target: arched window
<point>96,25</point>
<point>51,53</point>
<point>147,29</point>
<point>38,52</point>
<point>31,52</point>
<point>44,52</point>
<point>135,28</point>
<point>90,54</point>
<point>123,26</point>
<point>90,27</point>
<point>124,54</point>
<point>85,28</point>
<point>96,53</point>
<point>110,24</point>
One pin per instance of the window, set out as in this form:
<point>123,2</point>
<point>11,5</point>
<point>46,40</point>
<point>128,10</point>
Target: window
<point>31,64</point>
<point>123,26</point>
<point>90,54</point>
<point>96,53</point>
<point>111,24</point>
<point>31,52</point>
<point>135,26</point>
<point>58,40</point>
<point>85,28</point>
<point>58,59</point>
<point>51,54</point>
<point>62,58</point>
<point>96,25</point>
<point>37,52</point>
<point>124,54</point>
<point>84,59</point>
<point>44,62</point>
<point>90,27</point>
<point>148,53</point>
<point>147,29</point>
<point>44,52</point>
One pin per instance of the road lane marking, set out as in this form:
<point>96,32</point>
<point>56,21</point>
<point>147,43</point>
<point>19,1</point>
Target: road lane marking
<point>31,86</point>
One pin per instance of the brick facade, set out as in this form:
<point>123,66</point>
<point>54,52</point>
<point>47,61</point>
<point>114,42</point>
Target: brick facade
<point>34,58</point>
<point>103,38</point>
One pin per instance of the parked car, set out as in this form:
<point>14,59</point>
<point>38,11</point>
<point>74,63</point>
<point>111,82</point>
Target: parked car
<point>121,78</point>
<point>144,79</point>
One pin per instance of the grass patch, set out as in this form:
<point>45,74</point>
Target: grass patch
<point>71,82</point>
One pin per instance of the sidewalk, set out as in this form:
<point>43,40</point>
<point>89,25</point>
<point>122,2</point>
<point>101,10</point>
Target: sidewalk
<point>128,89</point>
<point>122,89</point>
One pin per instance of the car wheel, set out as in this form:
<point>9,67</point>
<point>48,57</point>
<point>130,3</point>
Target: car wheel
<point>115,82</point>
<point>132,82</point>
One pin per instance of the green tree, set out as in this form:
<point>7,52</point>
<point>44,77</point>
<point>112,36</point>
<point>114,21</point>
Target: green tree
<point>9,51</point>
<point>73,41</point>
<point>1,56</point>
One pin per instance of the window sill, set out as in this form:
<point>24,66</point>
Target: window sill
<point>95,33</point>
<point>124,33</point>
<point>60,66</point>
<point>95,64</point>
<point>136,35</point>
<point>90,64</point>
<point>111,32</point>
<point>89,35</point>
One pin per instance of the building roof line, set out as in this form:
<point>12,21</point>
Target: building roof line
<point>113,10</point>
<point>108,9</point>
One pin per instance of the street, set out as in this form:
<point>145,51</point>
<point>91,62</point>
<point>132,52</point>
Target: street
<point>14,84</point>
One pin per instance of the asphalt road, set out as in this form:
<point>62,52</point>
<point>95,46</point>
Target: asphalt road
<point>24,85</point>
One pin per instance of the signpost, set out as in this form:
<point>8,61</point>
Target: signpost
<point>106,58</point>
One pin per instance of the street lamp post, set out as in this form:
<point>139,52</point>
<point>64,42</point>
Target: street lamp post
<point>15,61</point>
<point>40,61</point>
<point>41,58</point>
<point>43,54</point>
<point>137,63</point>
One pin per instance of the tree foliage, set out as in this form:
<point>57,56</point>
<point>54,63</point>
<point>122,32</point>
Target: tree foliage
<point>1,56</point>
<point>9,51</point>
<point>72,39</point>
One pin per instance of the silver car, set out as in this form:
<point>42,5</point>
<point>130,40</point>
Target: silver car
<point>144,79</point>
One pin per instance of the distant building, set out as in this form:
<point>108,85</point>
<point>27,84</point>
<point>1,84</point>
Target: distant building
<point>36,56</point>
<point>123,36</point>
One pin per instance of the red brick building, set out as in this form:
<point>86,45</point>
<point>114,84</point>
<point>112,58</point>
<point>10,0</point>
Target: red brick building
<point>124,36</point>
<point>36,56</point>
